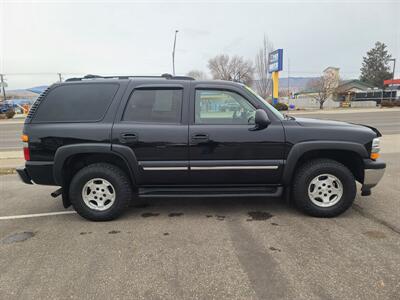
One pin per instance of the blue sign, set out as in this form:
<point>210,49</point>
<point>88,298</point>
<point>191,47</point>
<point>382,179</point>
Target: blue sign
<point>275,61</point>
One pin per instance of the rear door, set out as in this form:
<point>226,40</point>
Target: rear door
<point>223,148</point>
<point>151,121</point>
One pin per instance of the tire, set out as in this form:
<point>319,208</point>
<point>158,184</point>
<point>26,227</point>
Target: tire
<point>319,183</point>
<point>97,180</point>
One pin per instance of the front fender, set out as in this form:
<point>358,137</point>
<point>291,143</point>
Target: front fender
<point>300,149</point>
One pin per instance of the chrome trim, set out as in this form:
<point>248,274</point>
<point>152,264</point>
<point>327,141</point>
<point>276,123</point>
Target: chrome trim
<point>165,168</point>
<point>372,177</point>
<point>235,168</point>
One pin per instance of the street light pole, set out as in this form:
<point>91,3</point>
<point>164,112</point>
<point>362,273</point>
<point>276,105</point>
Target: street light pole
<point>394,66</point>
<point>173,53</point>
<point>3,86</point>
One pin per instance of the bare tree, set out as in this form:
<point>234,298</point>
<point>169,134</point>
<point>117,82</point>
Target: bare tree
<point>233,69</point>
<point>264,81</point>
<point>197,74</point>
<point>323,87</point>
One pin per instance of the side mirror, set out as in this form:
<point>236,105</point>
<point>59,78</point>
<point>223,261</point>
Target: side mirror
<point>261,120</point>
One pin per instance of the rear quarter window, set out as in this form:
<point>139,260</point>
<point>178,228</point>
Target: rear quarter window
<point>76,102</point>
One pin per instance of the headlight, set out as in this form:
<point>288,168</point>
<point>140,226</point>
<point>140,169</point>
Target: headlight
<point>375,149</point>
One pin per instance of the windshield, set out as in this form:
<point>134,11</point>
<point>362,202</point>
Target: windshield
<point>276,112</point>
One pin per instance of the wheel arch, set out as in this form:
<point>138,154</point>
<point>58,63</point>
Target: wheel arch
<point>348,153</point>
<point>71,158</point>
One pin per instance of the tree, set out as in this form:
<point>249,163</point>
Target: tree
<point>375,67</point>
<point>264,81</point>
<point>233,69</point>
<point>323,87</point>
<point>197,74</point>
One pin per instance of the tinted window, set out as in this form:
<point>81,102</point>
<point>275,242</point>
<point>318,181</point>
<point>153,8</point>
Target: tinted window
<point>76,102</point>
<point>222,107</point>
<point>154,106</point>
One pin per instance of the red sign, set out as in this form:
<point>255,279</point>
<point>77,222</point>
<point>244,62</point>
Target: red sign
<point>391,81</point>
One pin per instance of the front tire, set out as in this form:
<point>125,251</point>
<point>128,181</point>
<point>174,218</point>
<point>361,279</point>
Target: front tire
<point>324,188</point>
<point>100,192</point>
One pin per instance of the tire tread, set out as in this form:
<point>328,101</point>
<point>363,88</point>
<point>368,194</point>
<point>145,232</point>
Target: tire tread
<point>300,181</point>
<point>124,192</point>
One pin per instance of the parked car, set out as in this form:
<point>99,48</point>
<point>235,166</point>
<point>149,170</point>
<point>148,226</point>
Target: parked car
<point>108,141</point>
<point>6,110</point>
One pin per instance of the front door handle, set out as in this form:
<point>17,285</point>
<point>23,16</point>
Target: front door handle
<point>200,138</point>
<point>128,137</point>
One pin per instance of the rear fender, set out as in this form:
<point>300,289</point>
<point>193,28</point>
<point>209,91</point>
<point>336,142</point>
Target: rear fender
<point>65,152</point>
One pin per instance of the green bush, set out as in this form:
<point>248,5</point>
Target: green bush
<point>10,113</point>
<point>281,106</point>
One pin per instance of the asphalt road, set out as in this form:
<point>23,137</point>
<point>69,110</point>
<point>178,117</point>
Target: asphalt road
<point>388,122</point>
<point>202,248</point>
<point>10,136</point>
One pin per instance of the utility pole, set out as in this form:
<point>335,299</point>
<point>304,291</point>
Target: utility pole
<point>59,77</point>
<point>288,79</point>
<point>394,66</point>
<point>3,86</point>
<point>173,53</point>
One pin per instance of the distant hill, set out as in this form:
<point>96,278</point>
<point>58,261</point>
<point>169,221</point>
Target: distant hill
<point>38,89</point>
<point>296,84</point>
<point>30,93</point>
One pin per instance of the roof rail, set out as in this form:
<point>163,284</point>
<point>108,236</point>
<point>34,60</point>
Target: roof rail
<point>166,76</point>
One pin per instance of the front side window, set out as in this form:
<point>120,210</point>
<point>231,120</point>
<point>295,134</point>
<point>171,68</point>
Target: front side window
<point>276,112</point>
<point>154,106</point>
<point>222,107</point>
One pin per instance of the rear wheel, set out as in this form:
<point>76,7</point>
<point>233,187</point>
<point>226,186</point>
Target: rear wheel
<point>324,188</point>
<point>100,192</point>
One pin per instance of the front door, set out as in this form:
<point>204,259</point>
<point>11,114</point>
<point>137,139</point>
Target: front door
<point>150,123</point>
<point>223,148</point>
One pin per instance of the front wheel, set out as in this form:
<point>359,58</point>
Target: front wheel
<point>100,192</point>
<point>324,188</point>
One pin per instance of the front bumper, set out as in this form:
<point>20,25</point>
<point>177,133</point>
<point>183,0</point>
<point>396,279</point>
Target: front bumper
<point>373,173</point>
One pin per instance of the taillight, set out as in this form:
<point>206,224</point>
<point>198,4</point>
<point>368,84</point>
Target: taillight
<point>27,154</point>
<point>25,140</point>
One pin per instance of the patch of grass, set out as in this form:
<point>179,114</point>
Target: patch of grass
<point>7,171</point>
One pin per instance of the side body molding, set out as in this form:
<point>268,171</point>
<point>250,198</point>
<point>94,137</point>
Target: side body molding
<point>301,148</point>
<point>64,152</point>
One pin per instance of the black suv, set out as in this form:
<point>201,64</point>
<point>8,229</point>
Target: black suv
<point>108,140</point>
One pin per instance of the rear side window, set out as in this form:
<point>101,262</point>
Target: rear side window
<point>76,102</point>
<point>154,106</point>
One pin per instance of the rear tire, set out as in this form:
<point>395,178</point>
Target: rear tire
<point>324,188</point>
<point>100,192</point>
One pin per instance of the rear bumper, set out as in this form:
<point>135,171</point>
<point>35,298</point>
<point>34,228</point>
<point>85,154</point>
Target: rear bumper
<point>373,173</point>
<point>23,175</point>
<point>39,172</point>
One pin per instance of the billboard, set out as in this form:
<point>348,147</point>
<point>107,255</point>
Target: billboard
<point>275,61</point>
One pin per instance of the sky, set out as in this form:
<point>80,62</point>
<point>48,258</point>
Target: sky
<point>39,39</point>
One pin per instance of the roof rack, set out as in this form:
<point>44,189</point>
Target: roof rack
<point>166,76</point>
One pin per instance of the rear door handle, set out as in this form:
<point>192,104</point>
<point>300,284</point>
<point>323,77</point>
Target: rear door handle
<point>200,137</point>
<point>128,137</point>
